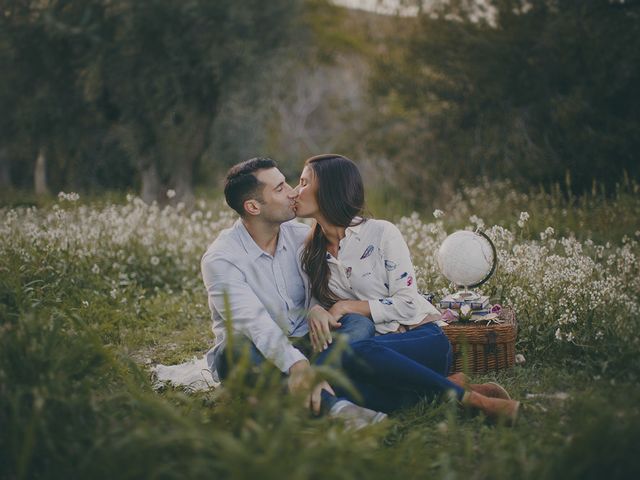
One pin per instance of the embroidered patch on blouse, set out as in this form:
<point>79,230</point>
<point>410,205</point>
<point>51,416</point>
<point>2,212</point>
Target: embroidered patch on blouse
<point>367,252</point>
<point>348,272</point>
<point>409,281</point>
<point>386,301</point>
<point>389,265</point>
<point>403,275</point>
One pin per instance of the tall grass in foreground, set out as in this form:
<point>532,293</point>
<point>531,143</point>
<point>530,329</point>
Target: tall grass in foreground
<point>89,294</point>
<point>72,409</point>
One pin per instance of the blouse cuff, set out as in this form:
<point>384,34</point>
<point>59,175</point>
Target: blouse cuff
<point>377,311</point>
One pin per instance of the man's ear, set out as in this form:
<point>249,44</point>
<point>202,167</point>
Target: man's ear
<point>252,207</point>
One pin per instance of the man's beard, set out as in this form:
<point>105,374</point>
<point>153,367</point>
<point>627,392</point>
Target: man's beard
<point>280,217</point>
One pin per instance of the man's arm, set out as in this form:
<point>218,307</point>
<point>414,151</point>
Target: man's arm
<point>248,315</point>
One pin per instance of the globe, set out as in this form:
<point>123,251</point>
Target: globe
<point>467,259</point>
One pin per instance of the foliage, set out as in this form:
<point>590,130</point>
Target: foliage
<point>90,293</point>
<point>525,90</point>
<point>101,80</point>
<point>42,46</point>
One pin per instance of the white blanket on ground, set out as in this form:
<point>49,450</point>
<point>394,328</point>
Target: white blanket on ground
<point>194,375</point>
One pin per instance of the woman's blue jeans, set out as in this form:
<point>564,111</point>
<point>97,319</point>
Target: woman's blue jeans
<point>396,370</point>
<point>354,328</point>
<point>390,371</point>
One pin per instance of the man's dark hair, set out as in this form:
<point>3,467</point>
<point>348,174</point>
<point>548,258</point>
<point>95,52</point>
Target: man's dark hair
<point>241,183</point>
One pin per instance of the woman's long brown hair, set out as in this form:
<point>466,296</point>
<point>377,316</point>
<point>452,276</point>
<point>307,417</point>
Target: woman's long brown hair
<point>340,197</point>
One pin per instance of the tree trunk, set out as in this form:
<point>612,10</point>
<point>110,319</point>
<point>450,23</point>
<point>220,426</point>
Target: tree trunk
<point>183,181</point>
<point>150,190</point>
<point>5,172</point>
<point>194,145</point>
<point>40,173</point>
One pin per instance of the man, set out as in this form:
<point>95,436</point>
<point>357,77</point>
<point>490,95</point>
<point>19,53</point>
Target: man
<point>252,273</point>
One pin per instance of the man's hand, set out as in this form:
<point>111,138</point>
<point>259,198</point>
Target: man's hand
<point>300,376</point>
<point>314,400</point>
<point>321,323</point>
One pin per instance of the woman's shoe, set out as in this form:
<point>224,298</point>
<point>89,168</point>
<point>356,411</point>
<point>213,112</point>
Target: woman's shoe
<point>459,379</point>
<point>496,409</point>
<point>490,389</point>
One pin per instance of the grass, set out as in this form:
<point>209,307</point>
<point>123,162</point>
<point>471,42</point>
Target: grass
<point>598,215</point>
<point>76,399</point>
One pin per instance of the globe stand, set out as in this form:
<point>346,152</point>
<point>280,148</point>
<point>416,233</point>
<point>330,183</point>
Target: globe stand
<point>466,295</point>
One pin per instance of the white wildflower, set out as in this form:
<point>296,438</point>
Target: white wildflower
<point>437,213</point>
<point>113,293</point>
<point>548,233</point>
<point>524,217</point>
<point>477,221</point>
<point>171,193</point>
<point>69,197</point>
<point>155,261</point>
<point>95,269</point>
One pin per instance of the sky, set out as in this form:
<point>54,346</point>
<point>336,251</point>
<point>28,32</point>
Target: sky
<point>388,7</point>
<point>409,8</point>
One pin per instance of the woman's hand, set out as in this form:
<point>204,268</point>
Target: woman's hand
<point>321,323</point>
<point>401,329</point>
<point>340,309</point>
<point>343,307</point>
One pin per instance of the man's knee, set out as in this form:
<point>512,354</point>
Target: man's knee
<point>356,327</point>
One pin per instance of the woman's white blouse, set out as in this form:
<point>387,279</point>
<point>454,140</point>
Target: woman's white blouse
<point>374,264</point>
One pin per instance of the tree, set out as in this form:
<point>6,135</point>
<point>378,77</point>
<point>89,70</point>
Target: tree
<point>44,116</point>
<point>527,91</point>
<point>84,83</point>
<point>161,69</point>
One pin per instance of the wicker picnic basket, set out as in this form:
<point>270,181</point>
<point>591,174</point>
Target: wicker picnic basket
<point>488,347</point>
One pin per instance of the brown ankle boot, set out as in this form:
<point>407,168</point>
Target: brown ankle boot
<point>459,379</point>
<point>491,389</point>
<point>493,408</point>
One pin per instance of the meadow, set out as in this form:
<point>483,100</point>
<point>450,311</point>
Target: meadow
<point>95,292</point>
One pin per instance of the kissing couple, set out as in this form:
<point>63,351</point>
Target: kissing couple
<point>290,290</point>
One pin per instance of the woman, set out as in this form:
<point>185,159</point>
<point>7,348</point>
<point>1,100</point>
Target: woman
<point>363,266</point>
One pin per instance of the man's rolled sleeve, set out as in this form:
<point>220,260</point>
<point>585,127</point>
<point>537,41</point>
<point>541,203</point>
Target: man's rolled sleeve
<point>248,315</point>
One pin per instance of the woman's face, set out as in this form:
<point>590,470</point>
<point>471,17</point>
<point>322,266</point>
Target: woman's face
<point>306,203</point>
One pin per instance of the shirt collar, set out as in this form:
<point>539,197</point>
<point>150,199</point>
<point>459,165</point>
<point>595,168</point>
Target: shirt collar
<point>355,229</point>
<point>250,245</point>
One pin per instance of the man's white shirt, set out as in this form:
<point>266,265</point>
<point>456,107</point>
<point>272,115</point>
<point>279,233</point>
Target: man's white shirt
<point>267,295</point>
